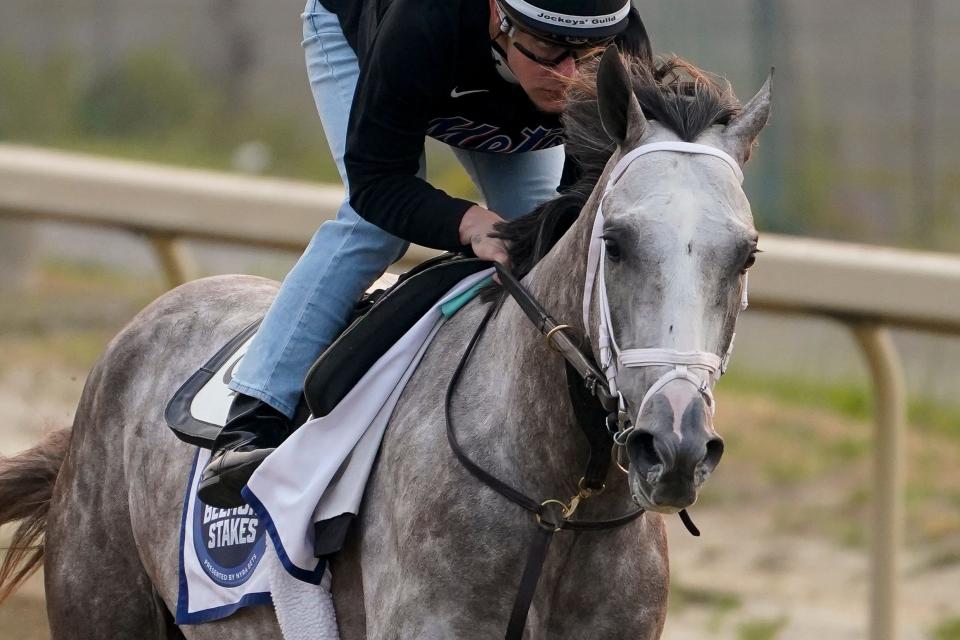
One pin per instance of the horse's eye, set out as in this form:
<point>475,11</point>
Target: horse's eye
<point>612,248</point>
<point>749,263</point>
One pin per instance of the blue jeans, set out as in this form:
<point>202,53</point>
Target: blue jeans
<point>346,255</point>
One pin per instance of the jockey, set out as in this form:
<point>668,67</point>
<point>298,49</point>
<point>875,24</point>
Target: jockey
<point>485,77</point>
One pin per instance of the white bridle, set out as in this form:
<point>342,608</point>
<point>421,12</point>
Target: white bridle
<point>612,357</point>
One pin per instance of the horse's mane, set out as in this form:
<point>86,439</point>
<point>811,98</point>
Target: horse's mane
<point>670,90</point>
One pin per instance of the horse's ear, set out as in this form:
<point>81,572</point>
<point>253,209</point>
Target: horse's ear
<point>620,112</point>
<point>741,134</point>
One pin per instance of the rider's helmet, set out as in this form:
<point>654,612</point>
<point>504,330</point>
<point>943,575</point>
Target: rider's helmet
<point>566,23</point>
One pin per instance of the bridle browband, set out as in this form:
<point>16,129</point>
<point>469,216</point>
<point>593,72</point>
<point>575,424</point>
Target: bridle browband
<point>598,404</point>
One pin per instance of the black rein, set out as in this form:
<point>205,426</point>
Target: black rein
<point>591,416</point>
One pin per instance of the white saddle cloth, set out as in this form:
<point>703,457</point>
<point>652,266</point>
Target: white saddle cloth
<point>226,563</point>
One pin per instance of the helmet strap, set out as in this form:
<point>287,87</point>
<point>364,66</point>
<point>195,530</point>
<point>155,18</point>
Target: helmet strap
<point>500,62</point>
<point>505,27</point>
<point>499,55</point>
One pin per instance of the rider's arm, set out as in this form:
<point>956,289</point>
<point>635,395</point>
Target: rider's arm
<point>406,71</point>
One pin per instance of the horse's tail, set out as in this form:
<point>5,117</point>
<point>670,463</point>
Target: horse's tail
<point>26,486</point>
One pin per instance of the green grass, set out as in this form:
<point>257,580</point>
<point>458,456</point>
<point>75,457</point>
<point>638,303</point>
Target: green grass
<point>760,629</point>
<point>940,559</point>
<point>947,630</point>
<point>718,600</point>
<point>847,399</point>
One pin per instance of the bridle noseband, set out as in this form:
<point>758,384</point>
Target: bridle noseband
<point>598,404</point>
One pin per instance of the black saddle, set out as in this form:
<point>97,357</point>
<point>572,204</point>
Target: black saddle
<point>380,320</point>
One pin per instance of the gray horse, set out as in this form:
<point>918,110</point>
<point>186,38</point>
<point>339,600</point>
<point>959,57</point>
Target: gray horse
<point>437,554</point>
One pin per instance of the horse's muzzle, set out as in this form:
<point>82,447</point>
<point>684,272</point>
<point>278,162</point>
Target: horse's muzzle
<point>672,452</point>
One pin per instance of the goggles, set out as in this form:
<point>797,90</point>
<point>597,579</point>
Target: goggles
<point>549,50</point>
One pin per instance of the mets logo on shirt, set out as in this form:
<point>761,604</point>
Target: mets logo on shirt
<point>229,542</point>
<point>467,134</point>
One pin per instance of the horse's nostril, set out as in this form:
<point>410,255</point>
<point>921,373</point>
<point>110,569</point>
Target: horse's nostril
<point>714,452</point>
<point>643,449</point>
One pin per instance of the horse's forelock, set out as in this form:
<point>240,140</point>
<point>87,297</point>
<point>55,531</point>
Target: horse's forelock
<point>676,93</point>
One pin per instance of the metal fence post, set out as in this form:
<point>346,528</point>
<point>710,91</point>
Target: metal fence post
<point>17,242</point>
<point>888,471</point>
<point>177,265</point>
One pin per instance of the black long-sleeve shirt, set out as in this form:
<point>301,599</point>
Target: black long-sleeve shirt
<point>426,70</point>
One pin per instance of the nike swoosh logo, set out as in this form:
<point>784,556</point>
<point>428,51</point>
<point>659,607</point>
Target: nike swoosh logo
<point>457,94</point>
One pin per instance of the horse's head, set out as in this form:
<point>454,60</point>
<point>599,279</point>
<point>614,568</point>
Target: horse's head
<point>672,242</point>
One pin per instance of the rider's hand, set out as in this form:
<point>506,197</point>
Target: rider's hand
<point>475,229</point>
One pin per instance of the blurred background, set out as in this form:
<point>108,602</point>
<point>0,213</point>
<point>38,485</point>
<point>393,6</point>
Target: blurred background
<point>862,148</point>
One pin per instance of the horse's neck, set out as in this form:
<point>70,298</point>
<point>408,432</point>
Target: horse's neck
<point>546,447</point>
<point>557,281</point>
